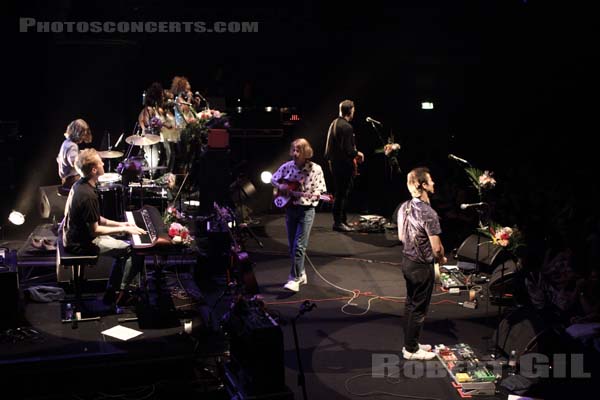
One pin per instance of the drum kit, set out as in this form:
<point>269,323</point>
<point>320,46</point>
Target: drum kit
<point>129,174</point>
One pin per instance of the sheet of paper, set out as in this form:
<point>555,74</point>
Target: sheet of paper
<point>121,332</point>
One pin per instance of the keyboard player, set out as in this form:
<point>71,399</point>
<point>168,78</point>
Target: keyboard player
<point>85,231</point>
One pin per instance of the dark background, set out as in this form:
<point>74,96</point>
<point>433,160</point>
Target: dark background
<point>514,85</point>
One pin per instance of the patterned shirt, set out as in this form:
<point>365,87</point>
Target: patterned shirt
<point>416,222</point>
<point>310,177</point>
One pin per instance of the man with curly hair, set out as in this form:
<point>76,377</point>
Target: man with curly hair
<point>78,131</point>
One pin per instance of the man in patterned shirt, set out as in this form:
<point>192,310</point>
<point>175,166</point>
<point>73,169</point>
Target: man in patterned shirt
<point>419,231</point>
<point>300,211</point>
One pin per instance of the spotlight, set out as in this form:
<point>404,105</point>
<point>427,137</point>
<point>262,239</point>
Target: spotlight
<point>426,105</point>
<point>16,218</point>
<point>265,176</point>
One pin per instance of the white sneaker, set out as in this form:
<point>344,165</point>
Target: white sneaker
<point>292,285</point>
<point>425,347</point>
<point>303,280</point>
<point>418,355</point>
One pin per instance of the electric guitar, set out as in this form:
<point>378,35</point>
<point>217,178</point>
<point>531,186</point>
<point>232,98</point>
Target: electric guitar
<point>282,198</point>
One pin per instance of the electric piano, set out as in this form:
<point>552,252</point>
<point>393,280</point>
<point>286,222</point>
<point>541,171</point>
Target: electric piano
<point>149,219</point>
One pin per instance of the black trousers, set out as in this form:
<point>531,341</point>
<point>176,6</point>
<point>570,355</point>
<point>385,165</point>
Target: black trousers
<point>343,181</point>
<point>420,279</point>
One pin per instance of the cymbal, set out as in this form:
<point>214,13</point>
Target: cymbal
<point>110,154</point>
<point>143,140</point>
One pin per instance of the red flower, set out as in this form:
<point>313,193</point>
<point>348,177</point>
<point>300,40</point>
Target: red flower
<point>173,232</point>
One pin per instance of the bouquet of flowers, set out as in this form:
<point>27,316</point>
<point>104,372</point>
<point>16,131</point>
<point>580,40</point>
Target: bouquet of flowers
<point>506,237</point>
<point>196,132</point>
<point>179,233</point>
<point>481,180</point>
<point>171,215</point>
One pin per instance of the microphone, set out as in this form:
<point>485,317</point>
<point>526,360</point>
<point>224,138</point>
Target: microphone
<point>184,102</point>
<point>453,157</point>
<point>374,121</point>
<point>197,94</point>
<point>464,206</point>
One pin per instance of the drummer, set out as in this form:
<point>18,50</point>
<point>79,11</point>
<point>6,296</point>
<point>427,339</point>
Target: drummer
<point>78,131</point>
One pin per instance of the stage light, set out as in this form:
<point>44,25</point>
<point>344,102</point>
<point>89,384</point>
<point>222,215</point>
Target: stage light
<point>265,177</point>
<point>426,105</point>
<point>16,218</point>
<point>268,109</point>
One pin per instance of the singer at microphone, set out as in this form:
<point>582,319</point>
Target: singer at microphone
<point>374,121</point>
<point>464,206</point>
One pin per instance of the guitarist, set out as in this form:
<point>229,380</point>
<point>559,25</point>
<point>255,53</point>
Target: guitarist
<point>300,212</point>
<point>342,155</point>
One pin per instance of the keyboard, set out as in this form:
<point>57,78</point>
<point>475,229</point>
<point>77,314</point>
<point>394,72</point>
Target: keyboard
<point>149,219</point>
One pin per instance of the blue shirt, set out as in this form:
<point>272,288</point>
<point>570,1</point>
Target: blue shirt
<point>416,222</point>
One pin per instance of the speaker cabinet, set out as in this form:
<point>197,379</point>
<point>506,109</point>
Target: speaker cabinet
<point>9,292</point>
<point>503,279</point>
<point>524,331</point>
<point>489,254</point>
<point>256,342</point>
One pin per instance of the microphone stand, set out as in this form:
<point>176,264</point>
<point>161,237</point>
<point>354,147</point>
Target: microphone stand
<point>306,306</point>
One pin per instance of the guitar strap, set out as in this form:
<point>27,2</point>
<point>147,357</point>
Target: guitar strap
<point>332,129</point>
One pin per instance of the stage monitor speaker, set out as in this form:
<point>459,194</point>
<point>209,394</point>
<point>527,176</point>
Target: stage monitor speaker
<point>256,344</point>
<point>489,253</point>
<point>9,292</point>
<point>503,278</point>
<point>50,203</point>
<point>524,331</point>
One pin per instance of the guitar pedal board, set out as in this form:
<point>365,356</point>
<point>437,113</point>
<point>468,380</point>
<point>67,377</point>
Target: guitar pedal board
<point>470,375</point>
<point>452,278</point>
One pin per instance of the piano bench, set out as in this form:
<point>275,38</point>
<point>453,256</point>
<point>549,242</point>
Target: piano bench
<point>77,263</point>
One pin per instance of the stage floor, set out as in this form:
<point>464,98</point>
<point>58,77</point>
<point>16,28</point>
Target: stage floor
<point>354,279</point>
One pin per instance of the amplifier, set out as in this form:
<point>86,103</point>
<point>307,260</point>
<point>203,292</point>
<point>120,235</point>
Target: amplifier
<point>9,289</point>
<point>256,346</point>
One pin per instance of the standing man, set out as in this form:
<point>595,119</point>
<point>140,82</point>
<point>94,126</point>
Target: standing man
<point>85,231</point>
<point>308,177</point>
<point>419,231</point>
<point>342,155</point>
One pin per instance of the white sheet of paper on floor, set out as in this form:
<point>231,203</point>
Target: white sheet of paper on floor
<point>121,332</point>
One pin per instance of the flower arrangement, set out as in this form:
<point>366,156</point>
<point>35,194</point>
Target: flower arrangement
<point>154,126</point>
<point>196,132</point>
<point>503,236</point>
<point>179,233</point>
<point>481,180</point>
<point>171,215</point>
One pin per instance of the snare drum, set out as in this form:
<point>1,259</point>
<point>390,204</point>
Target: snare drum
<point>111,198</point>
<point>109,178</point>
